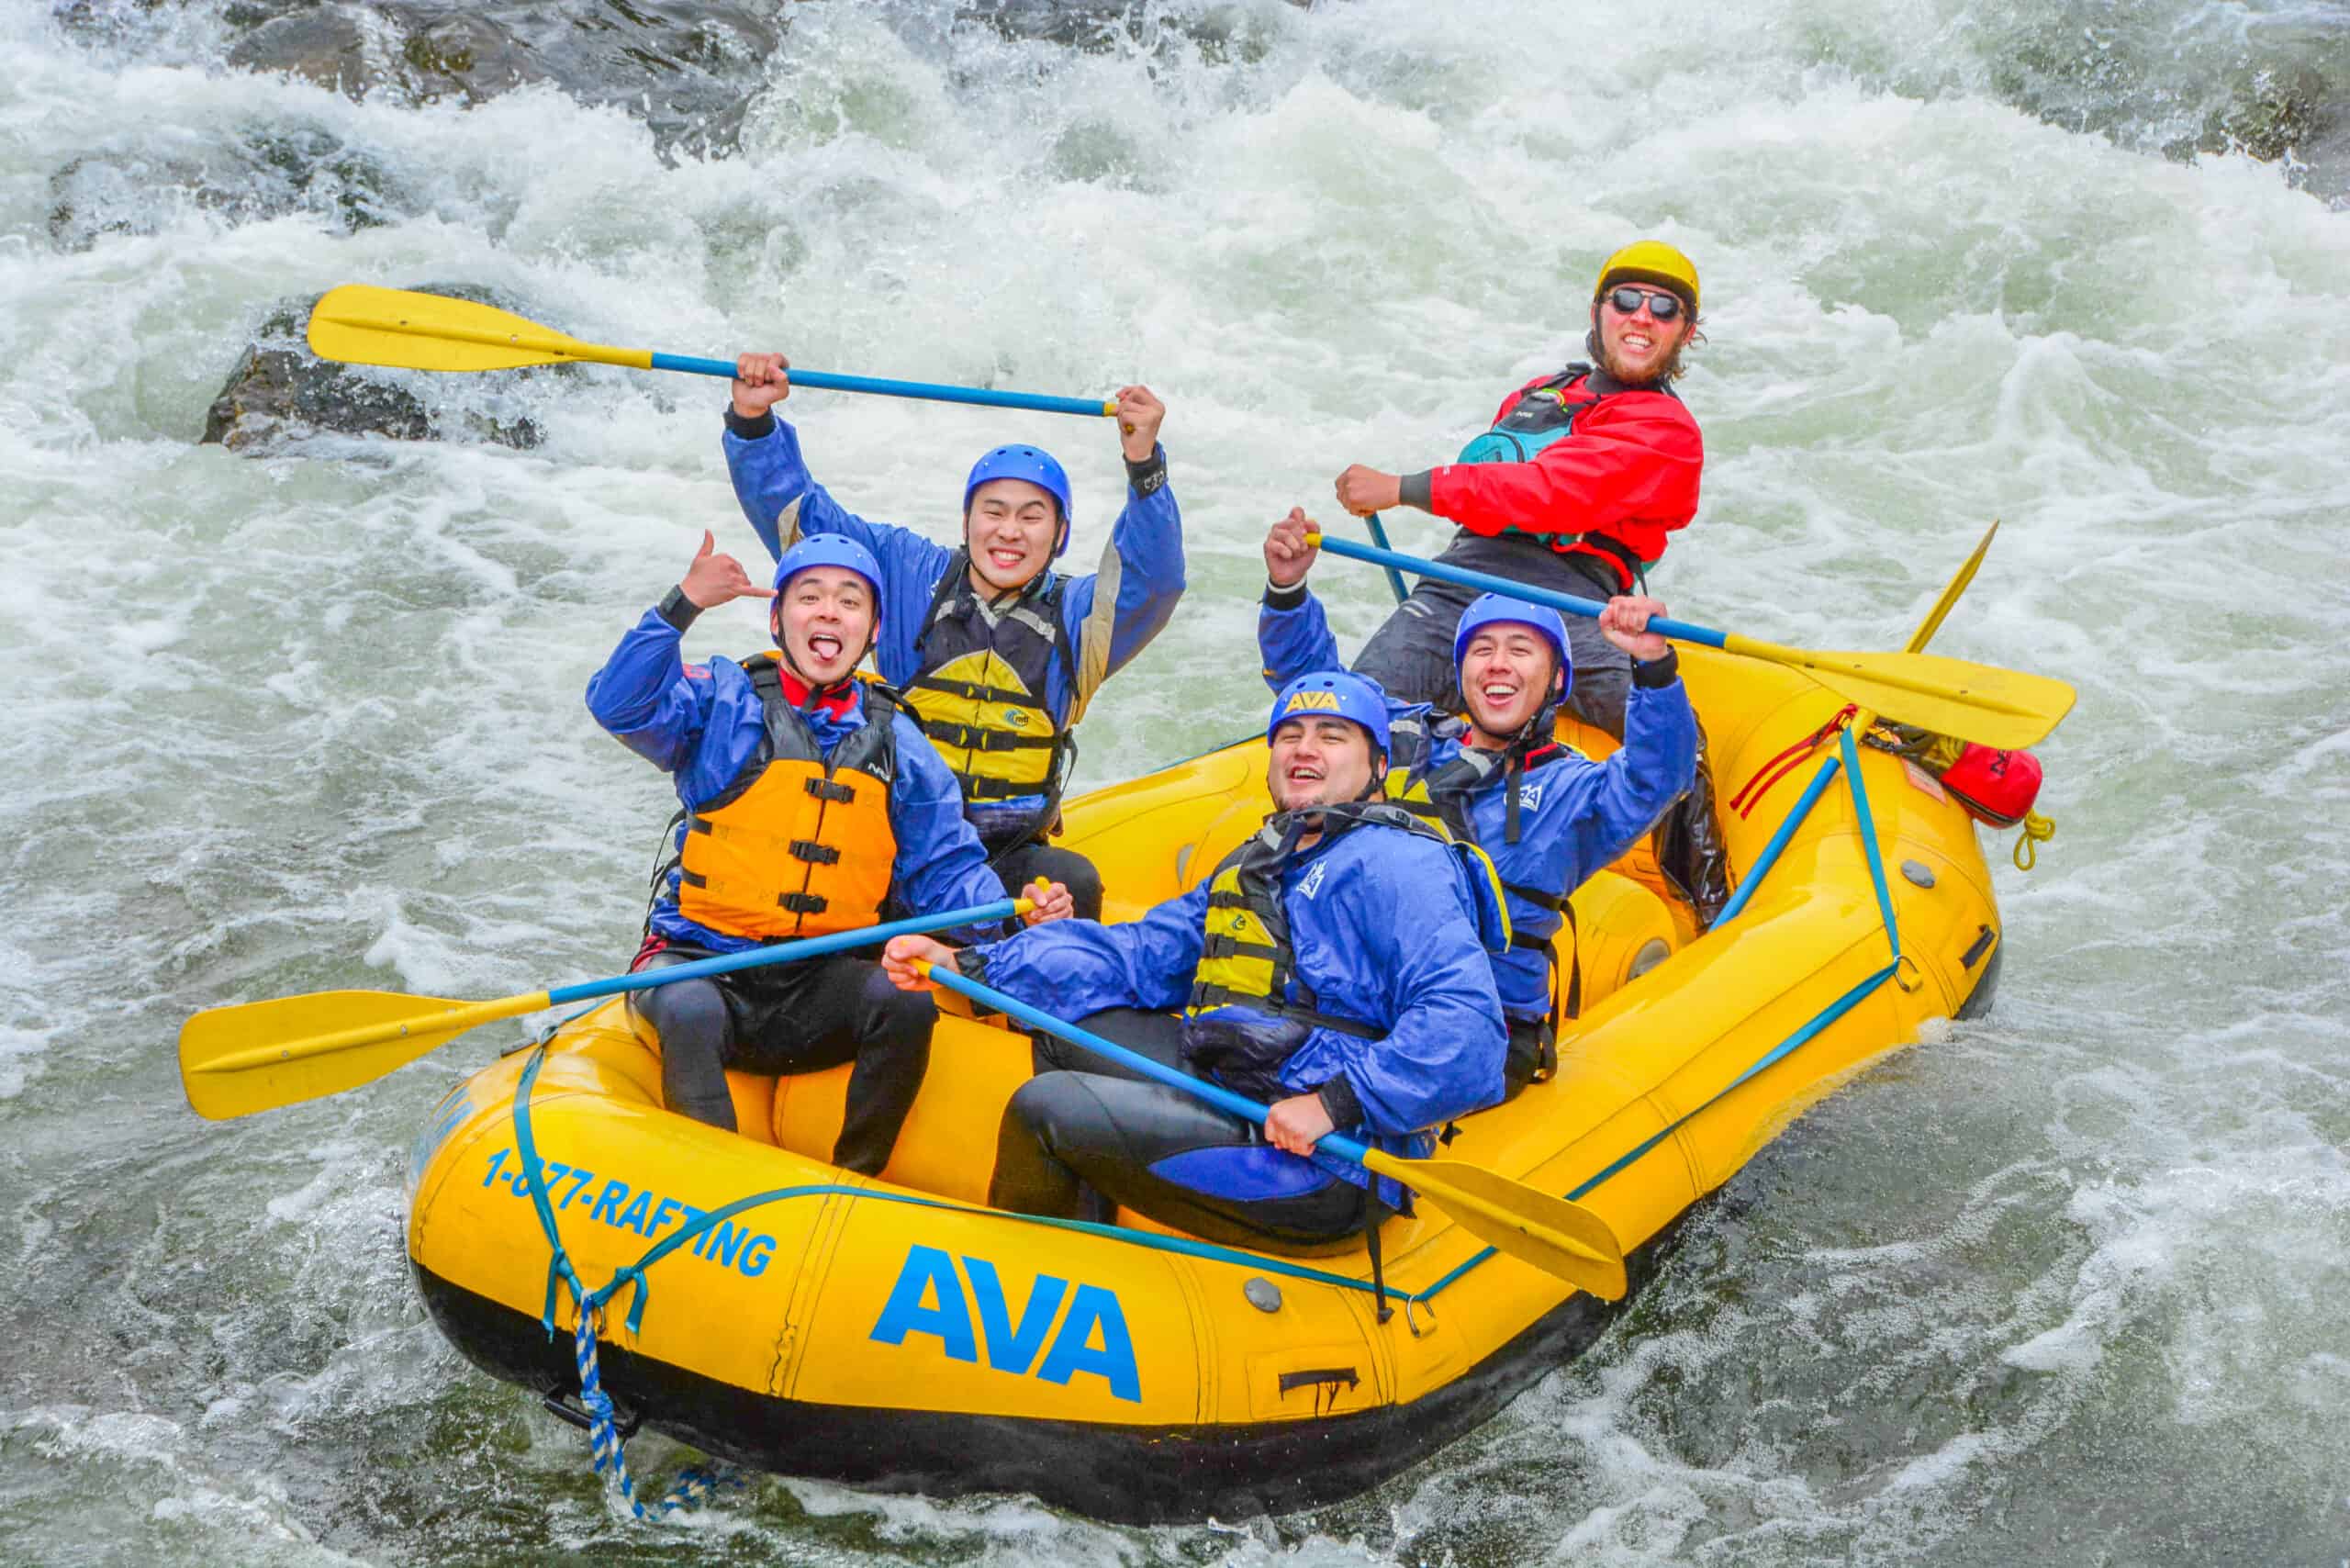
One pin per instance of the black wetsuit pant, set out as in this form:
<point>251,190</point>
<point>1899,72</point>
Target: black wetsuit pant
<point>1131,1142</point>
<point>787,1018</point>
<point>1411,656</point>
<point>1022,863</point>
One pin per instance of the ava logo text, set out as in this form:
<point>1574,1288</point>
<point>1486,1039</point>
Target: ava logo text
<point>929,1299</point>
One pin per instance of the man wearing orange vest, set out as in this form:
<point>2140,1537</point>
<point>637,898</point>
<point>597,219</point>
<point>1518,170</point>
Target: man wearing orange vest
<point>1585,475</point>
<point>811,801</point>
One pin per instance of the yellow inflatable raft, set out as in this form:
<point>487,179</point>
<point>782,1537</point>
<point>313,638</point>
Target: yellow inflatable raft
<point>899,1333</point>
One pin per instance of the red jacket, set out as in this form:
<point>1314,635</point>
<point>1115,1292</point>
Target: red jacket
<point>1628,469</point>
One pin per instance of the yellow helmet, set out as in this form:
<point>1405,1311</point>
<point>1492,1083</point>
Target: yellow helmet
<point>1649,261</point>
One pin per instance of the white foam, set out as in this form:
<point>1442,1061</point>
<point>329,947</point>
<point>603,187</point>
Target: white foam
<point>315,721</point>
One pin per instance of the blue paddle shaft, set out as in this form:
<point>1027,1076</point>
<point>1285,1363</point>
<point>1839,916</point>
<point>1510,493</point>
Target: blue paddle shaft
<point>1679,631</point>
<point>1222,1098</point>
<point>781,952</point>
<point>1379,537</point>
<point>935,392</point>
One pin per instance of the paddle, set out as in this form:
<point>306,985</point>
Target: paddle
<point>260,1055</point>
<point>2000,708</point>
<point>360,324</point>
<point>1559,1237</point>
<point>1861,720</point>
<point>1934,617</point>
<point>1379,537</point>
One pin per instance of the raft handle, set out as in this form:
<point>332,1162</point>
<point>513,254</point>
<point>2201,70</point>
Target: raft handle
<point>560,1406</point>
<point>1332,1376</point>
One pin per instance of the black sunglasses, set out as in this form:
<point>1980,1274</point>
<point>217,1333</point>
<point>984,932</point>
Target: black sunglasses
<point>1628,300</point>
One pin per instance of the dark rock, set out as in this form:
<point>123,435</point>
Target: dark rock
<point>1218,33</point>
<point>332,46</point>
<point>2182,86</point>
<point>2277,113</point>
<point>264,171</point>
<point>280,394</point>
<point>684,67</point>
<point>1090,25</point>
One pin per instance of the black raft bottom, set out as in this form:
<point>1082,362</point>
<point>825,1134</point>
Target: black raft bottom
<point>1124,1475</point>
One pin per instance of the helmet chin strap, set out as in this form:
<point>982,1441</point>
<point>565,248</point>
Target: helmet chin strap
<point>1539,724</point>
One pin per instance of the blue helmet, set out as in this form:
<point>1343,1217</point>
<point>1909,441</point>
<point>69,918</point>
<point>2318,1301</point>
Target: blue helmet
<point>1357,697</point>
<point>832,550</point>
<point>1033,463</point>
<point>1493,609</point>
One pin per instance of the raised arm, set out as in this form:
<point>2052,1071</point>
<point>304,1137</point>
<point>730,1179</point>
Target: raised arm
<point>778,495</point>
<point>645,695</point>
<point>1292,635</point>
<point>1112,614</point>
<point>1620,799</point>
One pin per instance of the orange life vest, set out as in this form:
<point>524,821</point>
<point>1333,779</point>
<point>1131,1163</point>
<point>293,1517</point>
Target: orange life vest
<point>797,845</point>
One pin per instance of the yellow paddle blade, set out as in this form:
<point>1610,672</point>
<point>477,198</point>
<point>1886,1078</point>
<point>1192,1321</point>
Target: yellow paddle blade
<point>261,1054</point>
<point>2002,708</point>
<point>360,324</point>
<point>1562,1238</point>
<point>1965,574</point>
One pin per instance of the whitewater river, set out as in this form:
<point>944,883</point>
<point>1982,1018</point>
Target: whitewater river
<point>2063,1285</point>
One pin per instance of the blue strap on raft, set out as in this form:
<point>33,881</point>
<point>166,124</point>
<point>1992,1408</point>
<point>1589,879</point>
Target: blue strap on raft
<point>695,1483</point>
<point>1847,760</point>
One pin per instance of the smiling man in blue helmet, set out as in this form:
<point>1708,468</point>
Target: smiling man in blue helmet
<point>810,801</point>
<point>1494,773</point>
<point>998,654</point>
<point>1335,966</point>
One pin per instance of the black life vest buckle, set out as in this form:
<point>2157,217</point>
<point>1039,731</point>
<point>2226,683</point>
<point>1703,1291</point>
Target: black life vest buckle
<point>826,789</point>
<point>816,854</point>
<point>804,903</point>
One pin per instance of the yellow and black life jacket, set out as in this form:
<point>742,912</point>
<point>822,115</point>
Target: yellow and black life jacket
<point>1442,794</point>
<point>1246,955</point>
<point>796,844</point>
<point>983,692</point>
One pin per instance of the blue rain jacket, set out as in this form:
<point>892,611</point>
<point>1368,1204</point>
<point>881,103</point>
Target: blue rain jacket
<point>1141,571</point>
<point>701,723</point>
<point>1574,816</point>
<point>1385,933</point>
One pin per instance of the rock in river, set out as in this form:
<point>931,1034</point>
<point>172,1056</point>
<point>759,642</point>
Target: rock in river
<point>280,393</point>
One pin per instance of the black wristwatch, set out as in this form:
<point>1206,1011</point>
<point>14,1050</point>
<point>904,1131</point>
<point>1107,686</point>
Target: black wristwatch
<point>1148,475</point>
<point>676,609</point>
<point>1653,672</point>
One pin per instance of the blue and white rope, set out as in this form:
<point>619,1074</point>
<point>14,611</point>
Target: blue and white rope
<point>695,1483</point>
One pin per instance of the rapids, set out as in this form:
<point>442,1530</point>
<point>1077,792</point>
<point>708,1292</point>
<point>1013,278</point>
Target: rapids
<point>2062,1284</point>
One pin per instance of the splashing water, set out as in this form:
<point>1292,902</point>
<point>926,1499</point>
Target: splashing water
<point>2062,1284</point>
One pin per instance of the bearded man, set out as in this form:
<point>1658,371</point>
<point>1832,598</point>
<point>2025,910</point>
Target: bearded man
<point>1577,488</point>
